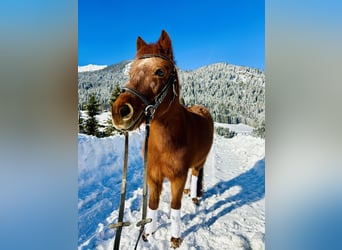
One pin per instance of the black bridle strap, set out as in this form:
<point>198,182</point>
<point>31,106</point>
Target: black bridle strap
<point>158,99</point>
<point>161,96</point>
<point>136,93</point>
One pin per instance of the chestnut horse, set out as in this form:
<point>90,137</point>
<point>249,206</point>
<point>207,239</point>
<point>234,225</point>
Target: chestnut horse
<point>180,138</point>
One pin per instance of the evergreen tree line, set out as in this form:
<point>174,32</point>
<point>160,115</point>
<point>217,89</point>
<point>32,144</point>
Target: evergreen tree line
<point>233,94</point>
<point>90,124</point>
<point>225,132</point>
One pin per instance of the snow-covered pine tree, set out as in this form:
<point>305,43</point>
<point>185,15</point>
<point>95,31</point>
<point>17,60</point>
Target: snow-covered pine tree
<point>116,92</point>
<point>91,124</point>
<point>109,128</point>
<point>81,124</point>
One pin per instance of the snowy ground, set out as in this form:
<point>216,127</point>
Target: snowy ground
<point>230,216</point>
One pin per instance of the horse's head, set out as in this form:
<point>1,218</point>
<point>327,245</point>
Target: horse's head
<point>153,84</point>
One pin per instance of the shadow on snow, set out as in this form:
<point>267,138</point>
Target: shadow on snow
<point>252,184</point>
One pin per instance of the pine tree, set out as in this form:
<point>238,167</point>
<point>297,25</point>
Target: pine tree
<point>260,131</point>
<point>110,130</point>
<point>81,128</point>
<point>91,126</point>
<point>116,92</point>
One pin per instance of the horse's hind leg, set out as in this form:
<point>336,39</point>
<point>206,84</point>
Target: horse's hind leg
<point>196,183</point>
<point>188,182</point>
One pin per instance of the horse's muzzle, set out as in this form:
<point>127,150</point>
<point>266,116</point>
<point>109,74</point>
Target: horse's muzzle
<point>125,119</point>
<point>126,112</point>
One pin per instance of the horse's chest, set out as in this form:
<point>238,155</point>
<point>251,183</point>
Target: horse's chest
<point>164,154</point>
<point>166,159</point>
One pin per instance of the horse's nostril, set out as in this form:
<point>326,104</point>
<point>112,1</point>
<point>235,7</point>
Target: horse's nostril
<point>125,110</point>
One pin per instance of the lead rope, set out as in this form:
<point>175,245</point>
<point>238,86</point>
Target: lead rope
<point>120,222</point>
<point>149,112</point>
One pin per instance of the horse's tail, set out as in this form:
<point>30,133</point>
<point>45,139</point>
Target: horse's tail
<point>200,190</point>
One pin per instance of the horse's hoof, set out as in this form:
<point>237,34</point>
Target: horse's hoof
<point>195,201</point>
<point>144,237</point>
<point>186,191</point>
<point>176,242</point>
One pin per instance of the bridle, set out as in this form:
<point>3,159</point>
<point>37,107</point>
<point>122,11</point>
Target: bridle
<point>149,111</point>
<point>151,107</point>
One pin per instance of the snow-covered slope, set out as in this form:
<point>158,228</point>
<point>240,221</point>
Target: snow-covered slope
<point>230,216</point>
<point>91,67</point>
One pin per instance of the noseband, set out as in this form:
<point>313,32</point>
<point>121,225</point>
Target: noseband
<point>150,106</point>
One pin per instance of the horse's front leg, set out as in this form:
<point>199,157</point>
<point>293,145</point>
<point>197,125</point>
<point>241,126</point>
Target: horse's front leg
<point>177,186</point>
<point>155,188</point>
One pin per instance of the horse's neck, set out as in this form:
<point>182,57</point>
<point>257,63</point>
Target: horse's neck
<point>171,122</point>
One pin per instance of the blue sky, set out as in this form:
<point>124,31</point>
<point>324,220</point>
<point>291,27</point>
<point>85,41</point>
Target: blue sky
<point>202,32</point>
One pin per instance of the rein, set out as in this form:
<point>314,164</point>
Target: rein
<point>149,113</point>
<point>120,222</point>
<point>144,221</point>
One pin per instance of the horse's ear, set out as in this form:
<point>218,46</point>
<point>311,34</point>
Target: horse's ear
<point>165,43</point>
<point>140,43</point>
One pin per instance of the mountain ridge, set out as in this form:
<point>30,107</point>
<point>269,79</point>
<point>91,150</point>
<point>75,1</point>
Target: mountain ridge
<point>90,67</point>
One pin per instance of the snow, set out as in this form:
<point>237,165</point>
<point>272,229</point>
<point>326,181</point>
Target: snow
<point>127,68</point>
<point>231,214</point>
<point>103,118</point>
<point>91,67</point>
<point>237,128</point>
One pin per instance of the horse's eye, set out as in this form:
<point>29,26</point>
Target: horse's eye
<point>159,72</point>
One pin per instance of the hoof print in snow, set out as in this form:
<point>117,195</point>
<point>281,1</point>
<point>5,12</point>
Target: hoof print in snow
<point>186,191</point>
<point>176,242</point>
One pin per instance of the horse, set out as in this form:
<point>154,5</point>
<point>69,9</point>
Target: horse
<point>180,137</point>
